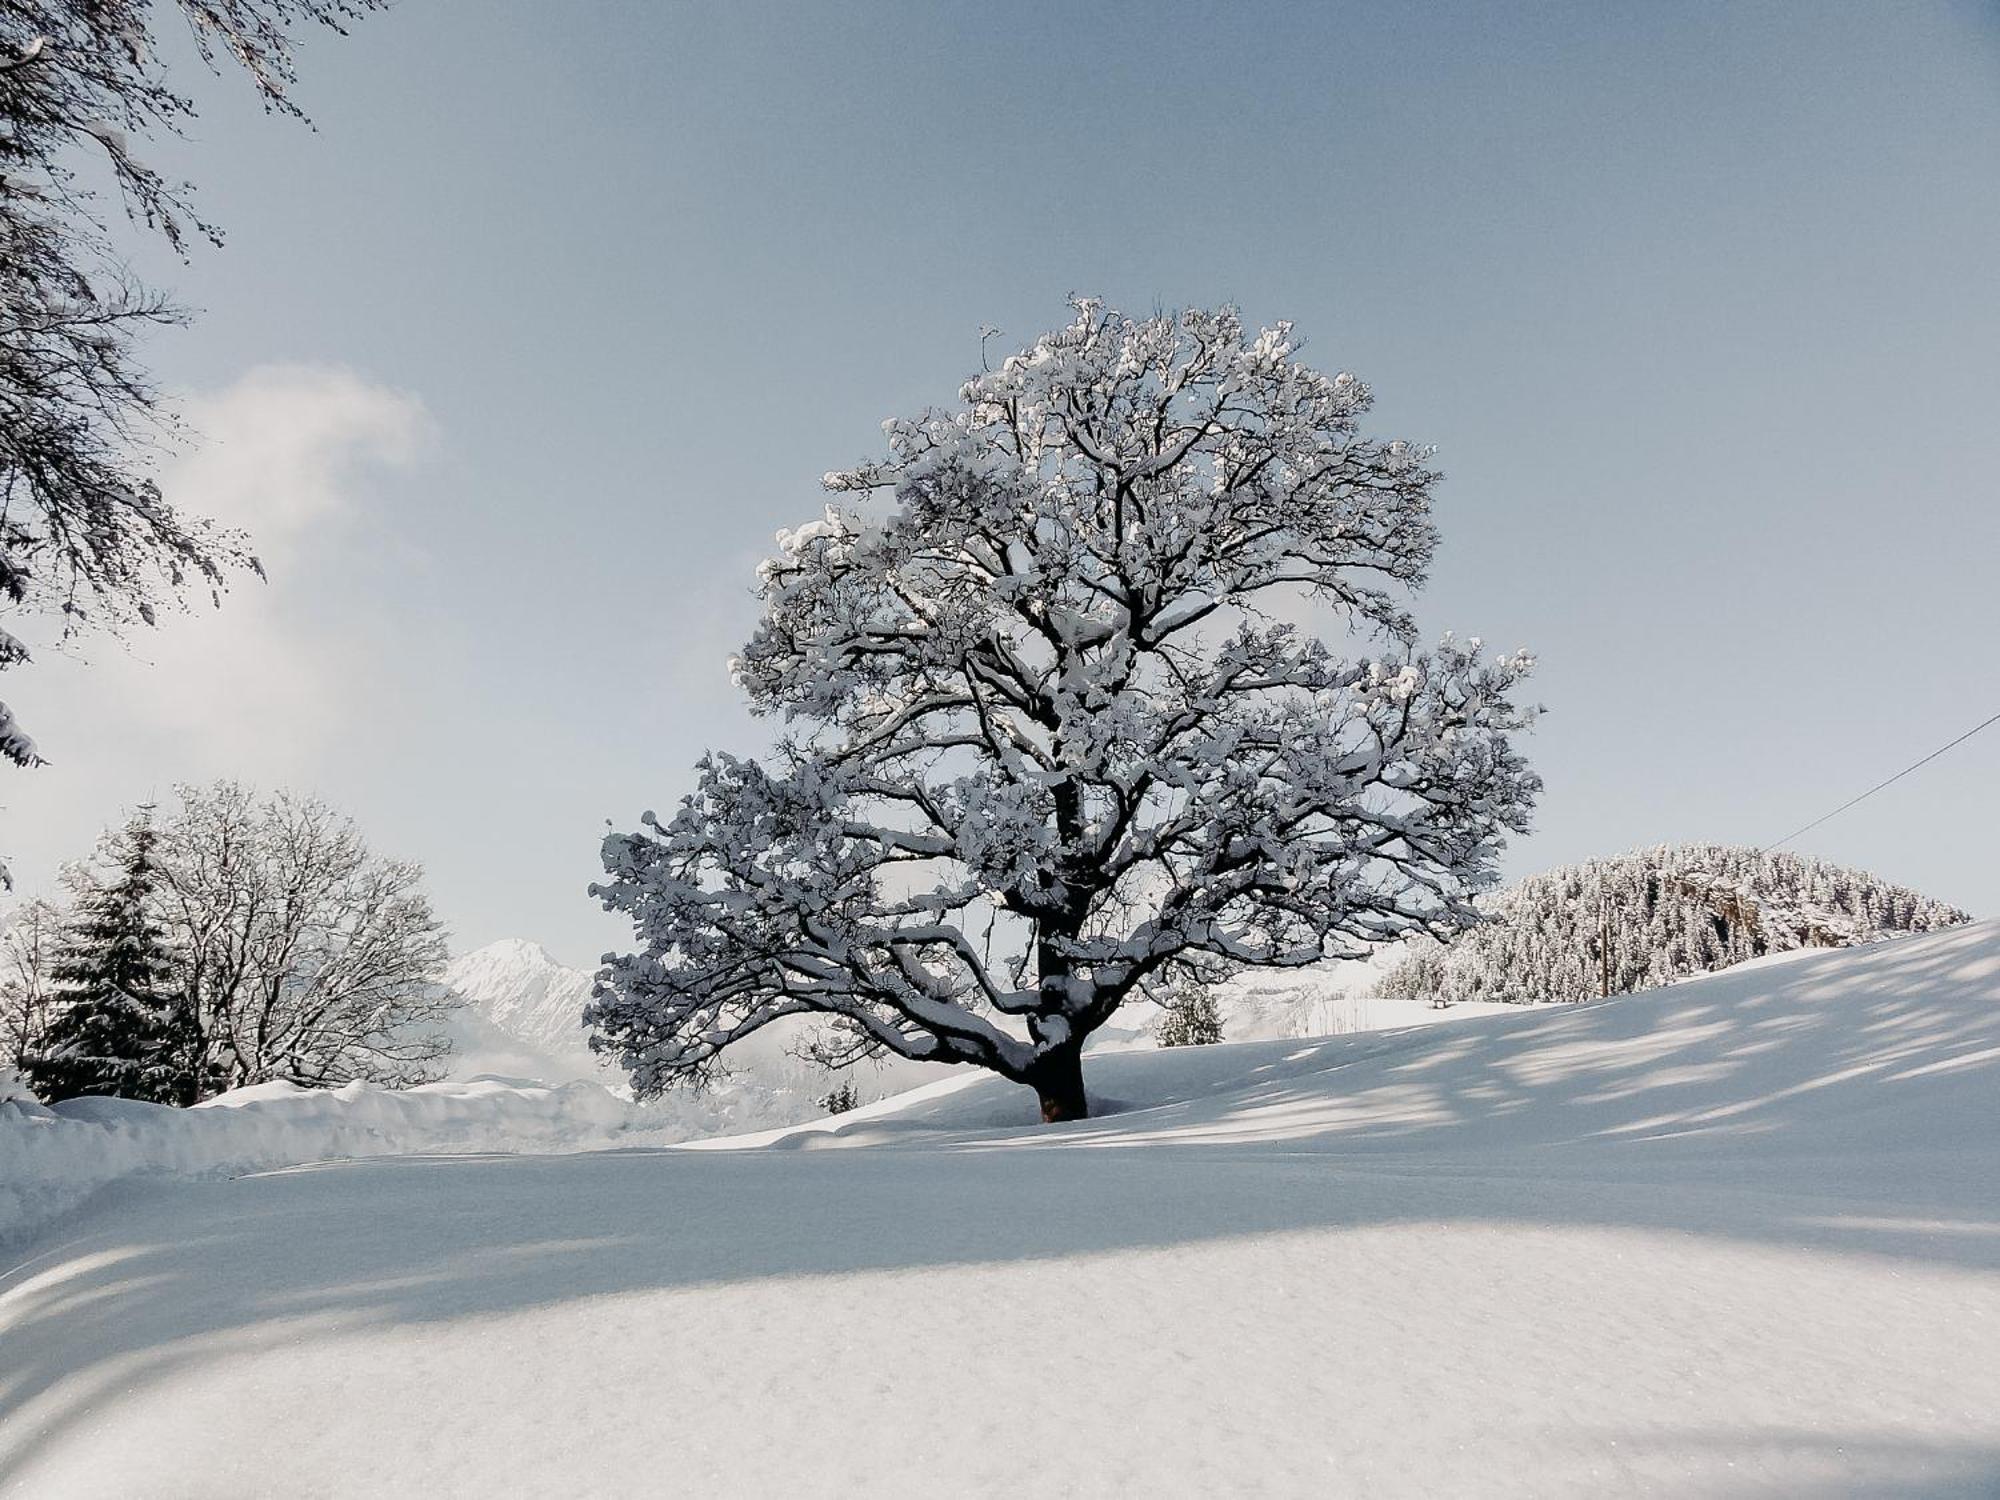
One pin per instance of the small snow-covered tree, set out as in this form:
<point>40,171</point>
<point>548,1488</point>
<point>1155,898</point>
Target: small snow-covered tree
<point>1051,732</point>
<point>1189,1017</point>
<point>115,1024</point>
<point>28,937</point>
<point>839,1101</point>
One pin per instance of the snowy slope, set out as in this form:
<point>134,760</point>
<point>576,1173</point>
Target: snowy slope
<point>1738,1239</point>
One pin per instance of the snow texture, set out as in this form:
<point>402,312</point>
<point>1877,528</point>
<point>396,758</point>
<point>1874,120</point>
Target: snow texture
<point>1740,1238</point>
<point>54,1158</point>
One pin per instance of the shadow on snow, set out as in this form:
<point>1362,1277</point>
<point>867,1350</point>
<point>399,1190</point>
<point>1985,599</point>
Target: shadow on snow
<point>1835,1103</point>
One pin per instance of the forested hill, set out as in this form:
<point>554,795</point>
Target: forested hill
<point>1662,913</point>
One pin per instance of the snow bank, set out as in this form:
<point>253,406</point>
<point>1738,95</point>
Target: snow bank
<point>54,1158</point>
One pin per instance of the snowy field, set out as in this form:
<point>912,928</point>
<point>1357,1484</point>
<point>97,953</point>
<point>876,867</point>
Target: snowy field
<point>1739,1237</point>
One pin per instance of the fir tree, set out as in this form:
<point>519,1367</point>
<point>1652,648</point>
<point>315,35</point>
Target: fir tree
<point>839,1101</point>
<point>1191,1018</point>
<point>117,1028</point>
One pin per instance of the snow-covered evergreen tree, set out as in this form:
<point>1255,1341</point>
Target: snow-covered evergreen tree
<point>1049,738</point>
<point>1646,918</point>
<point>115,1027</point>
<point>1189,1018</point>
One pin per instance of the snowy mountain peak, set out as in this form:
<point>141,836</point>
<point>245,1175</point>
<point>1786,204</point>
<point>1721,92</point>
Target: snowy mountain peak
<point>523,951</point>
<point>518,986</point>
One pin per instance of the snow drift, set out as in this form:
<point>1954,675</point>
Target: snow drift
<point>54,1158</point>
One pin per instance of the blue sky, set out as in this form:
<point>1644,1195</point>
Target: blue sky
<point>518,359</point>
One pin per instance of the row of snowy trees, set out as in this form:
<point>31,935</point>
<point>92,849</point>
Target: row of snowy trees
<point>1609,926</point>
<point>235,941</point>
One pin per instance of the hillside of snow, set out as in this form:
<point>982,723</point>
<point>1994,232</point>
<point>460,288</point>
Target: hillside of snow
<point>1738,1238</point>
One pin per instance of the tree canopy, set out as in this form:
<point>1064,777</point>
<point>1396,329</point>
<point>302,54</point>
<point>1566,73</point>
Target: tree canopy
<point>1056,724</point>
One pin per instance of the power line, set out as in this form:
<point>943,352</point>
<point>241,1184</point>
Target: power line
<point>1880,784</point>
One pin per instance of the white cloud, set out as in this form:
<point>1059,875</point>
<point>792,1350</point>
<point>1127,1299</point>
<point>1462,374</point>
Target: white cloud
<point>281,452</point>
<point>284,453</point>
<point>259,687</point>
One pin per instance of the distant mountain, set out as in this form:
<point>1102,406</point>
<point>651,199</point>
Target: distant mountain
<point>524,1017</point>
<point>1656,915</point>
<point>521,990</point>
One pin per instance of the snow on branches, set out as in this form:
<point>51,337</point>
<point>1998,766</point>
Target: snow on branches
<point>1639,920</point>
<point>1051,732</point>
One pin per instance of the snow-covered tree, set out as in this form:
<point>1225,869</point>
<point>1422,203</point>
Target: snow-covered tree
<point>1655,915</point>
<point>840,1100</point>
<point>1053,732</point>
<point>1189,1017</point>
<point>86,537</point>
<point>28,937</point>
<point>115,1026</point>
<point>304,956</point>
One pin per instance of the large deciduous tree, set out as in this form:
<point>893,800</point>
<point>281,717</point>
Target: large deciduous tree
<point>303,956</point>
<point>86,536</point>
<point>1056,728</point>
<point>28,938</point>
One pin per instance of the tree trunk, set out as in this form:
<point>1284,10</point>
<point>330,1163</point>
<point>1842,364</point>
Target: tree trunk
<point>1057,1079</point>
